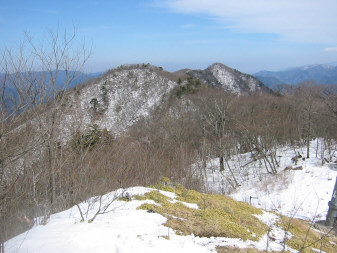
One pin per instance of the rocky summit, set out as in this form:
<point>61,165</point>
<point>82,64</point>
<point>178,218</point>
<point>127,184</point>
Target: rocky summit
<point>232,80</point>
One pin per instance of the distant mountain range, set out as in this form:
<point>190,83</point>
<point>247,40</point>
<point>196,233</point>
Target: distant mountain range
<point>319,73</point>
<point>11,93</point>
<point>79,77</point>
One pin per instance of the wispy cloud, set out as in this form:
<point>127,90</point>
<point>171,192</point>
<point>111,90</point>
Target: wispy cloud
<point>187,26</point>
<point>330,49</point>
<point>300,20</point>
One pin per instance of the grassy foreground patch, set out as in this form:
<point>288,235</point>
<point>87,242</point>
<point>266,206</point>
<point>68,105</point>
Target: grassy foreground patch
<point>217,216</point>
<point>221,216</point>
<point>237,250</point>
<point>305,238</point>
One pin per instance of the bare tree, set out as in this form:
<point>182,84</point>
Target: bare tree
<point>30,113</point>
<point>307,94</point>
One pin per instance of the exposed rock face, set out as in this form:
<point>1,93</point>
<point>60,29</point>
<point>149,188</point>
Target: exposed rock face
<point>219,75</point>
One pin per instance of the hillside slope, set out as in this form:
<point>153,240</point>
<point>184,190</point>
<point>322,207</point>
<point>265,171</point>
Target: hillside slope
<point>174,220</point>
<point>115,100</point>
<point>303,193</point>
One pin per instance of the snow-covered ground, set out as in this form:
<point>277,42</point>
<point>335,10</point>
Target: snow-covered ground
<point>297,193</point>
<point>123,228</point>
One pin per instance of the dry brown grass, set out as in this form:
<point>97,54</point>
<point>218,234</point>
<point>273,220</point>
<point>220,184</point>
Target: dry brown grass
<point>218,215</point>
<point>304,238</point>
<point>237,250</point>
<point>221,216</point>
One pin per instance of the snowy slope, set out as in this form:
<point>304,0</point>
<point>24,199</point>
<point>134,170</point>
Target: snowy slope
<point>115,101</point>
<point>131,93</point>
<point>123,228</point>
<point>303,194</point>
<point>220,75</point>
<point>297,193</point>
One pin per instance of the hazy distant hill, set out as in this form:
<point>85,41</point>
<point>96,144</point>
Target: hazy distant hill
<point>320,73</point>
<point>79,77</point>
<point>10,93</point>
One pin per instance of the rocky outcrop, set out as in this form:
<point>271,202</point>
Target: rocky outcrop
<point>232,80</point>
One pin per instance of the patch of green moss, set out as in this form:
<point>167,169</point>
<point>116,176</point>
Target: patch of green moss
<point>190,196</point>
<point>239,250</point>
<point>217,222</point>
<point>217,215</point>
<point>163,187</point>
<point>154,208</point>
<point>177,210</point>
<point>123,199</point>
<point>305,238</point>
<point>164,184</point>
<point>156,196</point>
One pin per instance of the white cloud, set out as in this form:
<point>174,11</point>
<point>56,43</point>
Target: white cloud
<point>330,49</point>
<point>295,20</point>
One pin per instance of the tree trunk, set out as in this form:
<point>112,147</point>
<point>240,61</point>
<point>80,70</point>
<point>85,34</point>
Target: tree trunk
<point>222,167</point>
<point>52,157</point>
<point>233,176</point>
<point>52,183</point>
<point>308,136</point>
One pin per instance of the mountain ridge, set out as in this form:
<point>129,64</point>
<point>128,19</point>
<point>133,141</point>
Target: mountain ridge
<point>231,80</point>
<point>122,96</point>
<point>319,73</point>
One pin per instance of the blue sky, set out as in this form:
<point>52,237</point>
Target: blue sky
<point>245,34</point>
